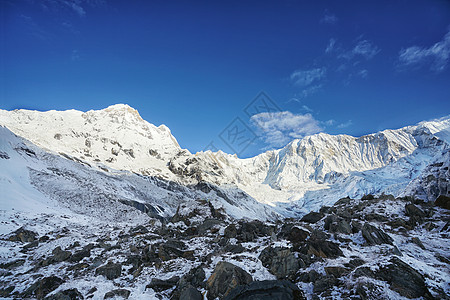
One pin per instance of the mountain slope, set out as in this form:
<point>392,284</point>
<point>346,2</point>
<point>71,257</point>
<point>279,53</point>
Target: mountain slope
<point>304,175</point>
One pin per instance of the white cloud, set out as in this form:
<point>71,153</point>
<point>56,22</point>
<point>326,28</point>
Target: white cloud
<point>363,73</point>
<point>345,125</point>
<point>366,49</point>
<point>329,18</point>
<point>330,46</point>
<point>277,129</point>
<point>436,57</point>
<point>306,77</point>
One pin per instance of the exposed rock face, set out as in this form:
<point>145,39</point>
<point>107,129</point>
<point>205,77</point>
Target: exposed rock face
<point>225,278</point>
<point>312,217</point>
<point>43,286</point>
<point>23,235</point>
<point>375,236</point>
<point>443,201</point>
<point>70,294</point>
<point>266,290</point>
<point>160,285</point>
<point>122,293</point>
<point>404,280</point>
<point>280,261</point>
<point>110,270</point>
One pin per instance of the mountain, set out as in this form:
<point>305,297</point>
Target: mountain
<point>103,204</point>
<point>302,176</point>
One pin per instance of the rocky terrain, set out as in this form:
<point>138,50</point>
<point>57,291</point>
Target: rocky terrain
<point>369,248</point>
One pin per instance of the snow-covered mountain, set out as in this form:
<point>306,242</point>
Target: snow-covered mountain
<point>303,176</point>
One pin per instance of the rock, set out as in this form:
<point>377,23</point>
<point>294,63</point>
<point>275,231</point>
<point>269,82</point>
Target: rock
<point>12,264</point>
<point>280,261</point>
<point>363,272</point>
<point>23,235</point>
<point>297,235</point>
<point>310,276</point>
<point>248,231</point>
<point>118,293</point>
<point>190,293</point>
<point>266,290</point>
<point>159,285</point>
<point>43,286</point>
<point>5,292</point>
<point>318,245</point>
<point>230,231</point>
<point>238,248</point>
<point>375,236</point>
<point>170,250</point>
<point>110,270</point>
<point>337,272</point>
<point>208,224</point>
<point>60,255</point>
<point>368,197</point>
<point>312,217</point>
<point>70,294</point>
<point>412,211</point>
<point>187,284</point>
<point>354,263</point>
<point>404,279</point>
<point>443,201</point>
<point>324,283</point>
<point>336,224</point>
<point>79,255</point>
<point>418,242</point>
<point>225,278</point>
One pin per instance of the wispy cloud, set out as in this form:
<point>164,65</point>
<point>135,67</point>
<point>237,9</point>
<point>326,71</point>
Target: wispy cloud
<point>77,7</point>
<point>364,48</point>
<point>330,46</point>
<point>328,18</point>
<point>435,57</point>
<point>33,28</point>
<point>345,125</point>
<point>277,129</point>
<point>307,77</point>
<point>75,56</point>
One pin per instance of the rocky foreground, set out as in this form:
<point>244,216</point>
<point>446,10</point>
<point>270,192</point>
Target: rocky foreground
<point>372,248</point>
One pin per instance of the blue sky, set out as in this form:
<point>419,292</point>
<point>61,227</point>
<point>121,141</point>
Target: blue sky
<point>352,67</point>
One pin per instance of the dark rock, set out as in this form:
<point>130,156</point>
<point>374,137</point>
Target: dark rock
<point>266,290</point>
<point>5,292</point>
<point>118,293</point>
<point>60,255</point>
<point>404,279</point>
<point>324,283</point>
<point>297,235</point>
<point>208,224</point>
<point>225,278</point>
<point>70,294</point>
<point>159,285</point>
<point>43,286</point>
<point>23,235</point>
<point>312,217</point>
<point>190,293</point>
<point>418,242</point>
<point>354,263</point>
<point>79,255</point>
<point>12,264</point>
<point>318,245</point>
<point>170,250</point>
<point>139,230</point>
<point>110,270</point>
<point>238,248</point>
<point>280,261</point>
<point>412,211</point>
<point>336,224</point>
<point>336,271</point>
<point>375,236</point>
<point>368,197</point>
<point>310,276</point>
<point>443,201</point>
<point>230,231</point>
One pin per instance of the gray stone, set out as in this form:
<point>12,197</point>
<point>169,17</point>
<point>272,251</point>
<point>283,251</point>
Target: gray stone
<point>110,270</point>
<point>225,278</point>
<point>280,261</point>
<point>118,293</point>
<point>375,236</point>
<point>266,290</point>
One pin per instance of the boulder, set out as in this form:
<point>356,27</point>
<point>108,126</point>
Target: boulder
<point>312,217</point>
<point>123,293</point>
<point>225,278</point>
<point>43,286</point>
<point>280,261</point>
<point>190,293</point>
<point>318,245</point>
<point>159,285</point>
<point>60,255</point>
<point>324,283</point>
<point>297,235</point>
<point>110,270</point>
<point>266,290</point>
<point>375,236</point>
<point>23,235</point>
<point>443,201</point>
<point>404,279</point>
<point>70,294</point>
<point>230,231</point>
